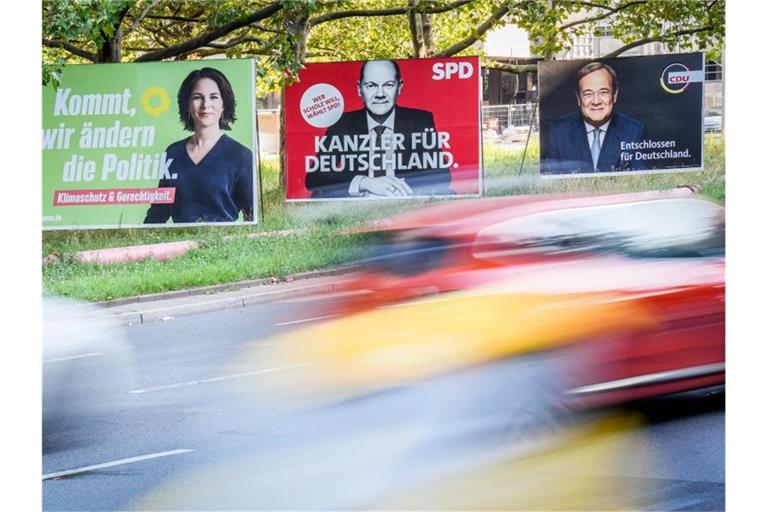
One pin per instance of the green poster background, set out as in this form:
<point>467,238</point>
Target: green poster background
<point>149,108</point>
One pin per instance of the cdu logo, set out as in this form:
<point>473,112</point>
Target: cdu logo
<point>677,77</point>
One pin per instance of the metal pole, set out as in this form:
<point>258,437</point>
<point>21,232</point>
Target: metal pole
<point>528,138</point>
<point>722,91</point>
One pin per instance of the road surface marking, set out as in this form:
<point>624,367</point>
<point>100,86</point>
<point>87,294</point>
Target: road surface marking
<point>303,320</point>
<point>81,356</point>
<point>218,379</point>
<point>120,462</point>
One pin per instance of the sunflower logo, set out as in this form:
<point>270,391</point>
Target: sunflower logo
<point>155,101</point>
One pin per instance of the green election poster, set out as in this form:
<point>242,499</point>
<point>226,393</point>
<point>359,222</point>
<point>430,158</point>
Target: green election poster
<point>150,145</point>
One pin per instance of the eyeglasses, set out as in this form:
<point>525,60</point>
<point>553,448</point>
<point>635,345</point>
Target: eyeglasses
<point>603,94</point>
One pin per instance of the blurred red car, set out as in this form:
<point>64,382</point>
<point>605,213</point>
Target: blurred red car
<point>461,347</point>
<point>663,251</point>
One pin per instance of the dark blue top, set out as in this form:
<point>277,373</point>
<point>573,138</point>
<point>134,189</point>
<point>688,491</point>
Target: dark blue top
<point>214,190</point>
<point>567,149</point>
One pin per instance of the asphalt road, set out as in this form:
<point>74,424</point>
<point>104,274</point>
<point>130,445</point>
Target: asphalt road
<point>189,414</point>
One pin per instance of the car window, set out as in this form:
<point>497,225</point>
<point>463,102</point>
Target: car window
<point>661,228</point>
<point>406,257</point>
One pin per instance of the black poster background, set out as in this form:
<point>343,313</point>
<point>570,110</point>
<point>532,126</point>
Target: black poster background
<point>666,116</point>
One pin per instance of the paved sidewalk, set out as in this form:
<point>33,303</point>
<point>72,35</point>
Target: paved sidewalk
<point>166,306</point>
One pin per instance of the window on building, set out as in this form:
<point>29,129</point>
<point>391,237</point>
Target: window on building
<point>713,71</point>
<point>602,31</point>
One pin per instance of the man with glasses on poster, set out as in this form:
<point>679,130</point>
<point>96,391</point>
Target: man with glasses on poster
<point>589,141</point>
<point>383,165</point>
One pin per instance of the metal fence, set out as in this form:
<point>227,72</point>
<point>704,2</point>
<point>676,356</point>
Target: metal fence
<point>509,123</point>
<point>502,116</point>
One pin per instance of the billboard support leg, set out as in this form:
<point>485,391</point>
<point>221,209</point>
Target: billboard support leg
<point>528,138</point>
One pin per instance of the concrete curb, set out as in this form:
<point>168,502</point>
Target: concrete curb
<point>226,287</point>
<point>167,306</point>
<point>169,309</point>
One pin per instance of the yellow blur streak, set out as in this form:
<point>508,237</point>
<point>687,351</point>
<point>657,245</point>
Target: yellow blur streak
<point>396,345</point>
<point>583,470</point>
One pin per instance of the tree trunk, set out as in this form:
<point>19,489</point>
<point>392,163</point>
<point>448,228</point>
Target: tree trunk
<point>283,159</point>
<point>110,50</point>
<point>427,24</point>
<point>297,32</point>
<point>421,31</point>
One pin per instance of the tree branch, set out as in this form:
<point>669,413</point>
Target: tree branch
<point>74,50</point>
<point>210,36</point>
<point>195,17</point>
<point>513,68</point>
<point>140,17</point>
<point>122,16</point>
<point>259,26</point>
<point>468,41</point>
<point>176,18</point>
<point>139,48</point>
<point>657,39</point>
<point>234,42</point>
<point>208,52</point>
<point>331,16</point>
<point>611,12</point>
<point>591,4</point>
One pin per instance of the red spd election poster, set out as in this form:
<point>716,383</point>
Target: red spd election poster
<point>384,128</point>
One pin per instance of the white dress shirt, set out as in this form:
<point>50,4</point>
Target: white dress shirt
<point>389,152</point>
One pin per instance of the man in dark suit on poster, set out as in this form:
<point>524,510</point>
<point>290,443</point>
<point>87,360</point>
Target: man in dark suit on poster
<point>589,140</point>
<point>382,150</point>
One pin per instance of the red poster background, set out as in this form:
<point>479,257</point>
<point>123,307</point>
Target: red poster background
<point>453,101</point>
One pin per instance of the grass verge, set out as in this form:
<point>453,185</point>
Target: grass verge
<point>214,262</point>
<point>316,243</point>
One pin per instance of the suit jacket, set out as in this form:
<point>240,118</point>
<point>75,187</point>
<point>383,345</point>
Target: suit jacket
<point>567,148</point>
<point>335,183</point>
